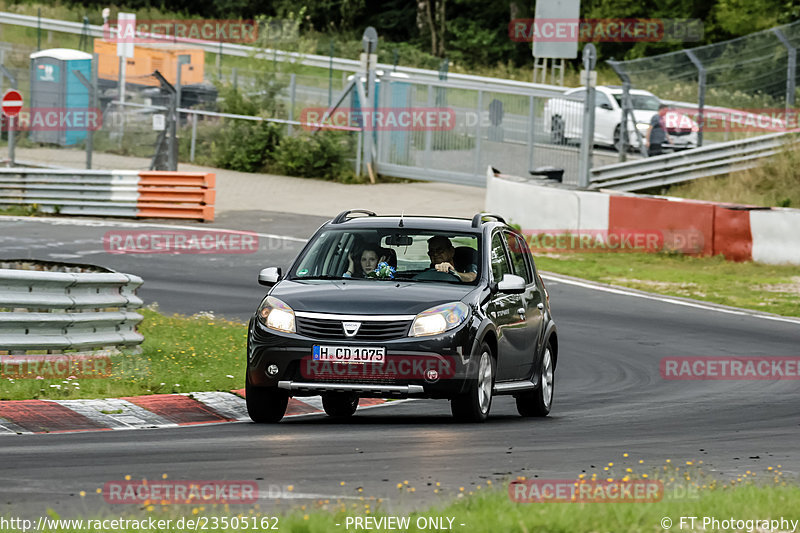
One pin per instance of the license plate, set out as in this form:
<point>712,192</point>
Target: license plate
<point>349,354</point>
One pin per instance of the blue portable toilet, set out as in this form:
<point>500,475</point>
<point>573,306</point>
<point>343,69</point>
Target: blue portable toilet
<point>56,89</point>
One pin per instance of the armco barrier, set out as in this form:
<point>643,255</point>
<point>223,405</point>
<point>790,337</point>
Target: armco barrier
<point>66,307</point>
<point>120,193</point>
<point>740,233</point>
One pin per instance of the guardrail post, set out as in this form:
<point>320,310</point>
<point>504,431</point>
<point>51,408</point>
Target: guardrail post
<point>11,137</point>
<point>587,133</point>
<point>791,67</point>
<point>701,93</point>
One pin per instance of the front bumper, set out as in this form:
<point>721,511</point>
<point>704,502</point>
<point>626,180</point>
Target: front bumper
<point>297,373</point>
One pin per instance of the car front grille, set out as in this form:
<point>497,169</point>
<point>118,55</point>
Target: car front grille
<point>331,329</point>
<point>679,132</point>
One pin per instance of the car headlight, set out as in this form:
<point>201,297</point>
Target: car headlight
<point>439,319</point>
<point>642,126</point>
<point>276,315</point>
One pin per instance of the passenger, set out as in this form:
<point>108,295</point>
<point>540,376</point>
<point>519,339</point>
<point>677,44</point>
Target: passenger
<point>442,252</point>
<point>368,258</point>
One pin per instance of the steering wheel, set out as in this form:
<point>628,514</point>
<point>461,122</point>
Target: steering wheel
<point>431,274</point>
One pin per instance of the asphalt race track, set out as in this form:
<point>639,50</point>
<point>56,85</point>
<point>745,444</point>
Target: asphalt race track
<point>610,398</point>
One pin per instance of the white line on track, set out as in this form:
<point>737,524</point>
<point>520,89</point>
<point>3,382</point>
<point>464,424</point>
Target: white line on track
<point>665,299</point>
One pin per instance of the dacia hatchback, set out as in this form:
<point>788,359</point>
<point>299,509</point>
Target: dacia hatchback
<point>404,307</point>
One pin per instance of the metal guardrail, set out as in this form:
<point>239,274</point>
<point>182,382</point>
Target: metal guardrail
<point>312,60</point>
<point>713,160</point>
<point>120,193</point>
<point>58,311</point>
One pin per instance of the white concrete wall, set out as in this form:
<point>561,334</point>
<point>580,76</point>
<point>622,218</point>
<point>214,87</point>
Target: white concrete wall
<point>539,207</point>
<point>776,236</point>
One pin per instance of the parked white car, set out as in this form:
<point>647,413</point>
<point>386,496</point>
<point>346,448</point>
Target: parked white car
<point>563,118</point>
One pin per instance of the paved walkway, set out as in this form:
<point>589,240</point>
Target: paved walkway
<point>242,191</point>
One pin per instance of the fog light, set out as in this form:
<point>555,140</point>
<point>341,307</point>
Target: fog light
<point>431,375</point>
<point>272,370</point>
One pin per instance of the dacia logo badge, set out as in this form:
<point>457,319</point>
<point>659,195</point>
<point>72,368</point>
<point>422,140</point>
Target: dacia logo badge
<point>350,328</point>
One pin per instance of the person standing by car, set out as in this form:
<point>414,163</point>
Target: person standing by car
<point>657,134</point>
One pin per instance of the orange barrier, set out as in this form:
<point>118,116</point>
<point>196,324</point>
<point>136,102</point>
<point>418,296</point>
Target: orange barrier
<point>732,235</point>
<point>682,219</point>
<point>164,194</point>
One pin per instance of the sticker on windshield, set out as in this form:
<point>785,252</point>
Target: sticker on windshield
<point>302,272</point>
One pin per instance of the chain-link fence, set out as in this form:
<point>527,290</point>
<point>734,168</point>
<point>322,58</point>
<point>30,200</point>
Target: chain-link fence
<point>744,87</point>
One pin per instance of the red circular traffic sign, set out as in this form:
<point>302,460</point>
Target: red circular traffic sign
<point>12,103</point>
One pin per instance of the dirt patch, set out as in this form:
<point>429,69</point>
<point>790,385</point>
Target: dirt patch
<point>687,288</point>
<point>793,287</point>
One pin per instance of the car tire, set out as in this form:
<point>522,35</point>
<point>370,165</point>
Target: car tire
<point>265,405</point>
<point>538,401</point>
<point>557,130</point>
<point>474,404</point>
<point>339,404</point>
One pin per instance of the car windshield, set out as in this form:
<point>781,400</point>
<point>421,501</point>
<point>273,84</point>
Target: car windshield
<point>392,254</point>
<point>643,102</point>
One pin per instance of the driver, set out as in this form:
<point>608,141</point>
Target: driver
<point>441,252</point>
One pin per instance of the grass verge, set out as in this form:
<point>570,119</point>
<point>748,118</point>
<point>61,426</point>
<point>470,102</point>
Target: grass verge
<point>179,354</point>
<point>492,511</point>
<point>757,286</point>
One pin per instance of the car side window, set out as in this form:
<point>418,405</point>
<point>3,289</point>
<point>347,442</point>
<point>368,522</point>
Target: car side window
<point>516,247</point>
<point>600,99</point>
<point>499,260</point>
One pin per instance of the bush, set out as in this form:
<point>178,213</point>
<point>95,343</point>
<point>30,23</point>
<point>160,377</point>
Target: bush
<point>321,155</point>
<point>247,146</point>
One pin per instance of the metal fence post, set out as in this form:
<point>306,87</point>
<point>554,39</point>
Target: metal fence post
<point>587,133</point>
<point>194,137</point>
<point>11,137</point>
<point>531,123</point>
<point>477,163</point>
<point>292,93</point>
<point>330,76</point>
<point>791,69</point>
<point>701,93</point>
<point>92,96</point>
<point>428,133</point>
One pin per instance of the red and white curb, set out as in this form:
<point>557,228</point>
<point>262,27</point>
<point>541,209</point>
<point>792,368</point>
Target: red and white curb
<point>19,417</point>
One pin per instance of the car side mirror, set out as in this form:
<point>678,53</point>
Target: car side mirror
<point>269,276</point>
<point>511,284</point>
<point>606,106</point>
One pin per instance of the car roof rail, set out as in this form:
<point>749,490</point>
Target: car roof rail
<point>342,217</point>
<point>477,220</point>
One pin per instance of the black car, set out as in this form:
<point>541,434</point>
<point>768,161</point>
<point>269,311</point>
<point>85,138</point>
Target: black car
<point>404,307</point>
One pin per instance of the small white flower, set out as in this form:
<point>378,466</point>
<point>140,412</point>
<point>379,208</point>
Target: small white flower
<point>177,384</point>
<point>229,376</point>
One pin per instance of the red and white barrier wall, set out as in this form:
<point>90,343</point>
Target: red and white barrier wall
<point>116,193</point>
<point>740,233</point>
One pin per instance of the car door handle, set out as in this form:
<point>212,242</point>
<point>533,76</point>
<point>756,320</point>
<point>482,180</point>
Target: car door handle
<point>540,306</point>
